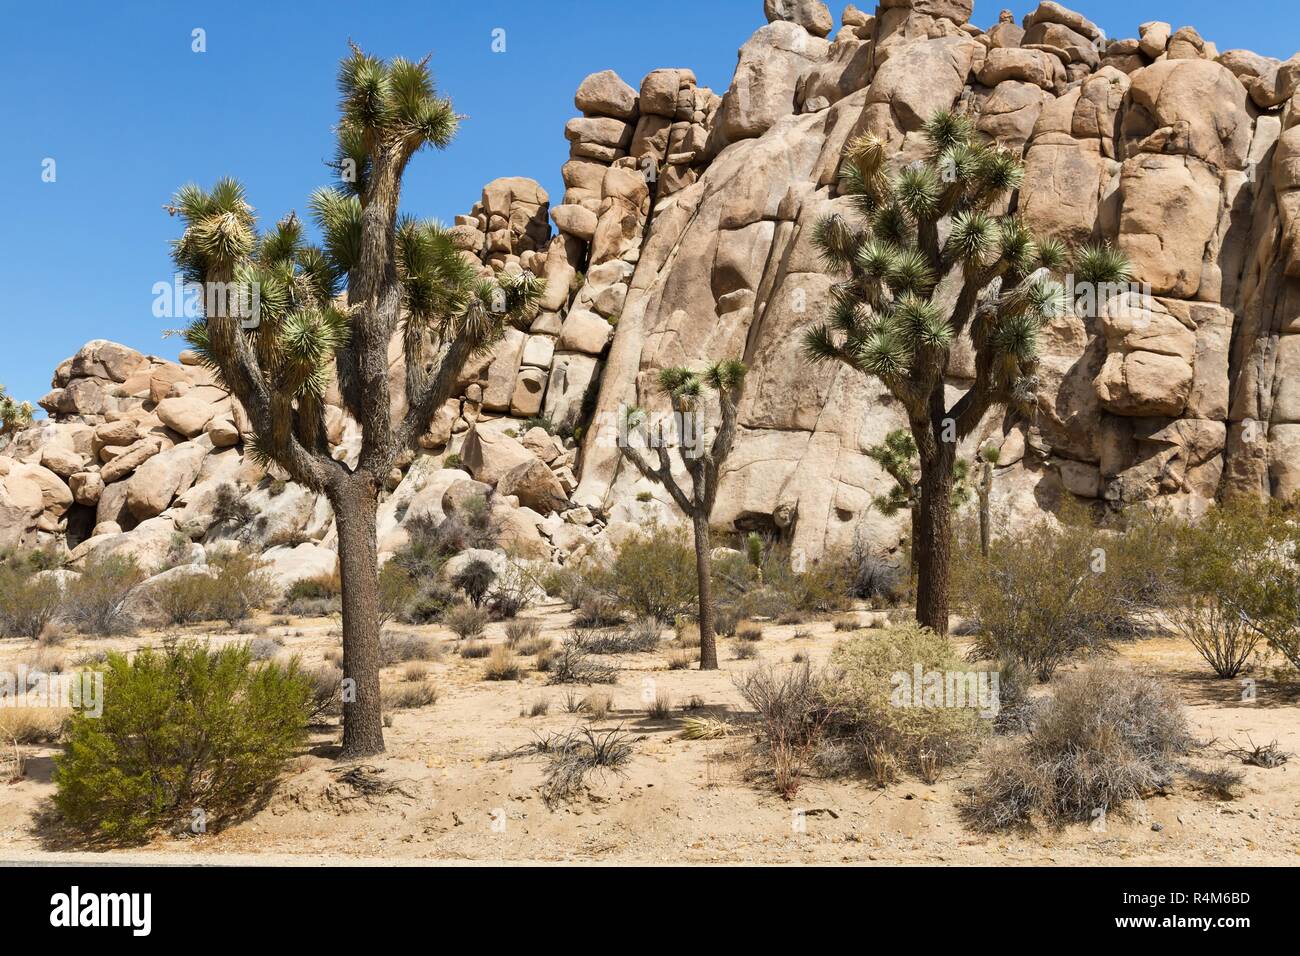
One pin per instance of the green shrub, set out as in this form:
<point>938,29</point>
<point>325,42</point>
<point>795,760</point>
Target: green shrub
<point>27,603</point>
<point>397,589</point>
<point>465,620</point>
<point>652,575</point>
<point>184,730</point>
<point>96,599</point>
<point>241,586</point>
<point>871,694</point>
<point>1056,589</point>
<point>1108,735</point>
<point>184,599</point>
<point>321,588</point>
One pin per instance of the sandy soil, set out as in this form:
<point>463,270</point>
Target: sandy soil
<point>694,802</point>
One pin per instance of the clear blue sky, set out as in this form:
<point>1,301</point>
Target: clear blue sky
<point>112,92</point>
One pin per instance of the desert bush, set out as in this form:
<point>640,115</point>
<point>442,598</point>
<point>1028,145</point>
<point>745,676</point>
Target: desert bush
<point>511,592</point>
<point>683,660</point>
<point>475,579</point>
<point>27,603</point>
<point>324,587</point>
<point>431,601</point>
<point>521,631</point>
<point>791,716</point>
<point>750,632</point>
<point>265,648</point>
<point>502,664</point>
<point>662,706</point>
<point>1221,783</point>
<point>635,638</point>
<point>475,650</point>
<point>400,648</point>
<point>185,599</point>
<point>576,755</point>
<point>31,725</point>
<point>230,508</point>
<point>652,575</point>
<point>869,695</point>
<point>782,588</point>
<point>538,708</point>
<point>32,560</point>
<point>326,681</point>
<point>595,609</point>
<point>397,589</point>
<point>465,620</point>
<point>745,652</point>
<point>414,673</point>
<point>574,663</point>
<point>596,705</point>
<point>409,696</point>
<point>97,598</point>
<point>539,645</point>
<point>241,586</point>
<point>1058,588</point>
<point>186,729</point>
<point>1108,735</point>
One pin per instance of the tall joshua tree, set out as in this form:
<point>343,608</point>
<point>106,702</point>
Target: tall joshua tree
<point>685,390</point>
<point>402,277</point>
<point>923,261</point>
<point>14,416</point>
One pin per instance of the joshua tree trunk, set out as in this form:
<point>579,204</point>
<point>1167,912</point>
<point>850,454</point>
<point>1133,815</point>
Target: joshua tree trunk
<point>985,488</point>
<point>353,498</point>
<point>935,540</point>
<point>703,562</point>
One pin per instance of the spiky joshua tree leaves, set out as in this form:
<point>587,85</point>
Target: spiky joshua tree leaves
<point>686,391</point>
<point>401,276</point>
<point>924,260</point>
<point>14,416</point>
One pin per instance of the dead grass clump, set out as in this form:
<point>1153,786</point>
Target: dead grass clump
<point>636,638</point>
<point>574,756</point>
<point>410,696</point>
<point>597,705</point>
<point>475,650</point>
<point>790,718</point>
<point>465,621</point>
<point>415,673</point>
<point>502,664</point>
<point>326,691</point>
<point>749,631</point>
<point>661,708</point>
<point>524,630</point>
<point>574,663</point>
<point>400,648</point>
<point>538,646</point>
<point>1107,736</point>
<point>683,660</point>
<point>538,708</point>
<point>847,622</point>
<point>1220,783</point>
<point>745,652</point>
<point>30,725</point>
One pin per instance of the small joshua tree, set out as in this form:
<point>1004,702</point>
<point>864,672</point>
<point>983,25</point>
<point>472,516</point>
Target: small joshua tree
<point>897,455</point>
<point>403,277</point>
<point>685,390</point>
<point>14,416</point>
<point>923,262</point>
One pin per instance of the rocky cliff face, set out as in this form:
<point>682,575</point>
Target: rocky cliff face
<point>684,235</point>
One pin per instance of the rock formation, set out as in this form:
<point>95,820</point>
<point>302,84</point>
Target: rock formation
<point>683,235</point>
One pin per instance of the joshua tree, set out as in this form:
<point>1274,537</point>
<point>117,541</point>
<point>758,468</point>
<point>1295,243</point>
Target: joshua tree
<point>403,277</point>
<point>14,416</point>
<point>988,459</point>
<point>685,391</point>
<point>897,455</point>
<point>923,262</point>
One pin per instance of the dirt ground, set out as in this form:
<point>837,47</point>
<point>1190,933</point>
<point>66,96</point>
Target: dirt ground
<point>680,801</point>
